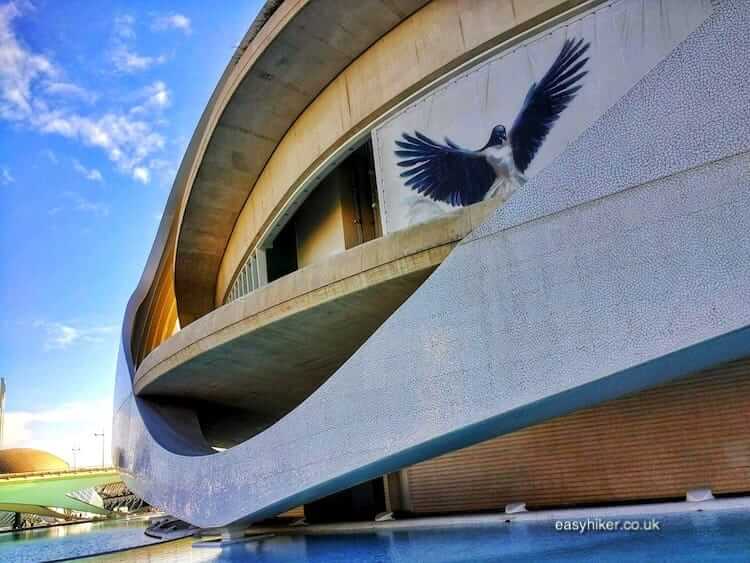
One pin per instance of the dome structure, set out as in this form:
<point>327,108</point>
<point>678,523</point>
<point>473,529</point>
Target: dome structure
<point>28,460</point>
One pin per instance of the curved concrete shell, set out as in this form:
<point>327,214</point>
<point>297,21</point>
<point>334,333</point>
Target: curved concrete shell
<point>279,70</point>
<point>618,266</point>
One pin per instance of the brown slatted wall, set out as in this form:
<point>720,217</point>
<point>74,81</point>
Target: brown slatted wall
<point>659,443</point>
<point>157,317</point>
<point>296,512</point>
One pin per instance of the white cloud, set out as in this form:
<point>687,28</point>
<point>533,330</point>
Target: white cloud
<point>6,178</point>
<point>155,97</point>
<point>142,174</point>
<point>126,60</point>
<point>85,205</point>
<point>77,203</point>
<point>158,94</point>
<point>19,68</point>
<point>60,336</point>
<point>31,94</point>
<point>60,430</point>
<point>127,141</point>
<point>123,54</point>
<point>173,21</point>
<point>125,26</point>
<point>68,89</point>
<point>89,173</point>
<point>165,171</point>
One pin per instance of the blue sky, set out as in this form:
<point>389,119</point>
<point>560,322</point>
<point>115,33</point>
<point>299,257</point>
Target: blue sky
<point>98,101</point>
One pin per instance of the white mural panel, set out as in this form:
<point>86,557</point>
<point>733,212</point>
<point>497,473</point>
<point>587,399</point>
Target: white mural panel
<point>485,132</point>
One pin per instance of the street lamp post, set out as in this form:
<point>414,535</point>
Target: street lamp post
<point>101,435</point>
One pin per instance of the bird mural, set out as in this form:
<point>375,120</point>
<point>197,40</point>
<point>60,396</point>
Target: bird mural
<point>457,176</point>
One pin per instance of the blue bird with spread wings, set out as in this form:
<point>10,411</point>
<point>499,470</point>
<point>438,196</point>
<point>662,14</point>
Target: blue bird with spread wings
<point>459,176</point>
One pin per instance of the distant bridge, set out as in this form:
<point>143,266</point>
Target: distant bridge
<point>45,492</point>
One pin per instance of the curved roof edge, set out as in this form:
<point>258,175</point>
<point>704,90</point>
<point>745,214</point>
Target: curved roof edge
<point>265,13</point>
<point>166,230</point>
<point>292,51</point>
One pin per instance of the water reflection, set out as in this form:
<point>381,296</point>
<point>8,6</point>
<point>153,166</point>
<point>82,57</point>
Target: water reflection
<point>685,538</point>
<point>694,537</point>
<point>72,540</point>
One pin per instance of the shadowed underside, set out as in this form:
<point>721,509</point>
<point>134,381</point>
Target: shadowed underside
<point>252,361</point>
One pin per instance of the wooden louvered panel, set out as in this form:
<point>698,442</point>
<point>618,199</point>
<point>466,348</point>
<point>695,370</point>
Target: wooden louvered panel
<point>652,445</point>
<point>296,512</point>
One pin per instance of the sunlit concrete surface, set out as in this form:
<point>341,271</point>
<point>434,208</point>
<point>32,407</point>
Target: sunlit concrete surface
<point>262,94</point>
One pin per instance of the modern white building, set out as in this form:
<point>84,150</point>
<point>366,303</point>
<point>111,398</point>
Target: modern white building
<point>441,256</point>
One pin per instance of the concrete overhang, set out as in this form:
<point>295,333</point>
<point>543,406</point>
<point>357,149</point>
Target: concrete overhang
<point>251,361</point>
<point>285,62</point>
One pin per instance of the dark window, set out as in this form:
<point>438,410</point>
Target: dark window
<point>281,258</point>
<point>363,206</point>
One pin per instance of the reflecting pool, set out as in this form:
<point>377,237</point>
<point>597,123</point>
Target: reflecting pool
<point>693,537</point>
<point>74,540</point>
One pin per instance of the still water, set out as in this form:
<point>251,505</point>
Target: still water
<point>75,540</point>
<point>691,537</point>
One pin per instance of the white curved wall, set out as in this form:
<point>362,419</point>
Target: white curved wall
<point>621,265</point>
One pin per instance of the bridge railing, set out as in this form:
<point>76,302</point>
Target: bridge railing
<point>77,471</point>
